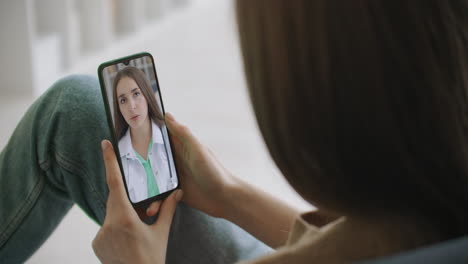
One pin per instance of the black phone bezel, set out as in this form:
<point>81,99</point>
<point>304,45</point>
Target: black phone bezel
<point>111,127</point>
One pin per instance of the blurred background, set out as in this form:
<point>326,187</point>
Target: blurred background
<point>199,66</point>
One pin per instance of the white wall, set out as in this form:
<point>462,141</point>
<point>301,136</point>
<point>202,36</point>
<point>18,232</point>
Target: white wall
<point>16,20</point>
<point>43,40</point>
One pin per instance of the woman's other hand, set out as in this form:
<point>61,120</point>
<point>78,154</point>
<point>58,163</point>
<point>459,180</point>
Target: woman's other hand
<point>124,238</point>
<point>206,183</point>
<point>209,187</point>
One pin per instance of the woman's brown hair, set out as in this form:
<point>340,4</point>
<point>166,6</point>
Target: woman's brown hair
<point>363,104</point>
<point>141,80</point>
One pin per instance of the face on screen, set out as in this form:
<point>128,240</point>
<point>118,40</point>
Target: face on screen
<point>138,124</point>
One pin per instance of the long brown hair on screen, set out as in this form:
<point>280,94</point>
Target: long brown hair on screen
<point>363,104</point>
<point>141,80</point>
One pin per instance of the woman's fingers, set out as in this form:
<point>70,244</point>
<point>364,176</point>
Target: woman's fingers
<point>182,132</point>
<point>112,167</point>
<point>153,208</point>
<point>117,191</point>
<point>122,224</point>
<point>166,212</point>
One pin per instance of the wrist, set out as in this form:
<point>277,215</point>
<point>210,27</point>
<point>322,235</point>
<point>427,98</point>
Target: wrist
<point>232,197</point>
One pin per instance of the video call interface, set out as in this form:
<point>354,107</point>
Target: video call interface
<point>138,124</point>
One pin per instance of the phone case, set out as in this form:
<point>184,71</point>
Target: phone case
<point>113,139</point>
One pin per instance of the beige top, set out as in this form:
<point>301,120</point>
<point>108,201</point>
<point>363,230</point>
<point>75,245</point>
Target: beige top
<point>341,241</point>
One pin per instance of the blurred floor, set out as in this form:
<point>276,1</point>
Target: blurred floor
<point>200,73</point>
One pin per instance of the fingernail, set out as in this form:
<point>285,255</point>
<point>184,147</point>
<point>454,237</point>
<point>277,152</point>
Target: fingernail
<point>104,145</point>
<point>179,195</point>
<point>170,117</point>
<point>148,211</point>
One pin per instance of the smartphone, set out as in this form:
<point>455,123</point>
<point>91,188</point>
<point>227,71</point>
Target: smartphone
<point>135,115</point>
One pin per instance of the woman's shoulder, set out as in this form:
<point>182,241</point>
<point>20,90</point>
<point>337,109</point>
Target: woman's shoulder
<point>303,244</point>
<point>343,240</point>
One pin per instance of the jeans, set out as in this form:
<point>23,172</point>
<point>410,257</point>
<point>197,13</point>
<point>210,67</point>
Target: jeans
<point>54,160</point>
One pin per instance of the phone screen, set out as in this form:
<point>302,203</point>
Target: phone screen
<point>136,117</point>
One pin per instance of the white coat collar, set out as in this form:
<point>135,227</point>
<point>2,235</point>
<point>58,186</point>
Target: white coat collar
<point>125,143</point>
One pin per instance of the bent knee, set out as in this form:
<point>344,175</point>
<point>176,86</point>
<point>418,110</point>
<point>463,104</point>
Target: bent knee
<point>79,98</point>
<point>76,86</point>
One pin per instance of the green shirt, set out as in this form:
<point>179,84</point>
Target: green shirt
<point>153,189</point>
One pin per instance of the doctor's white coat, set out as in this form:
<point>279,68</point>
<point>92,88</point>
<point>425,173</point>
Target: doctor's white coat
<point>162,166</point>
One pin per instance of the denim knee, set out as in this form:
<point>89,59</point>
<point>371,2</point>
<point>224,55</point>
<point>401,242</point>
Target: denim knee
<point>79,99</point>
<point>72,120</point>
<point>73,124</point>
<point>79,96</point>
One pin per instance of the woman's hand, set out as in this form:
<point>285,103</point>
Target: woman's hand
<point>209,187</point>
<point>206,183</point>
<point>124,238</point>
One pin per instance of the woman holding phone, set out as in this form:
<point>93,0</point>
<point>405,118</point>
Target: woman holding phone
<point>139,127</point>
<point>53,161</point>
<point>363,106</point>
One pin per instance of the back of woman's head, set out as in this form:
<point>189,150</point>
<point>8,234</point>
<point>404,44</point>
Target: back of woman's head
<point>363,104</point>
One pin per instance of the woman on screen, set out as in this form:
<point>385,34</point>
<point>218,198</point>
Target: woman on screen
<point>139,127</point>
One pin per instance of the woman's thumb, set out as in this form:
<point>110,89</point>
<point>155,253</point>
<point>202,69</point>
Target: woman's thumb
<point>166,213</point>
<point>180,131</point>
